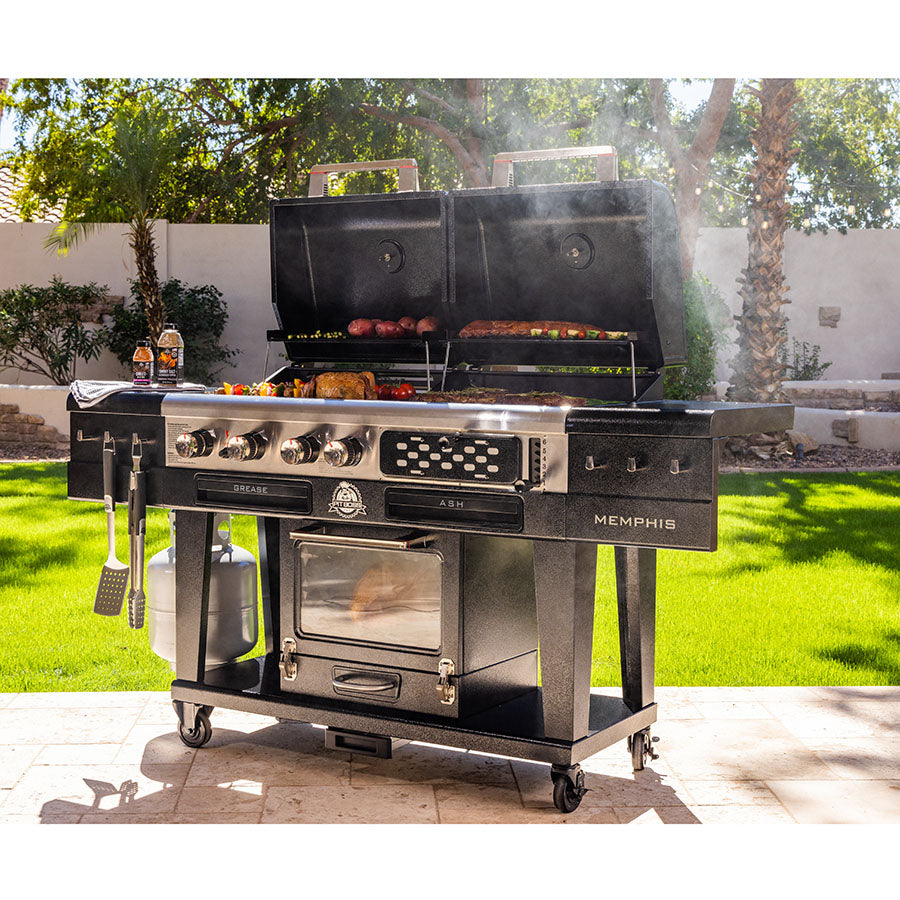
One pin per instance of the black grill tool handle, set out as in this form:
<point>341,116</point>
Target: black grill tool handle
<point>407,173</point>
<point>137,526</point>
<point>607,162</point>
<point>109,474</point>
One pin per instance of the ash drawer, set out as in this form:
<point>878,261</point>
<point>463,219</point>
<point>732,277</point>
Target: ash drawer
<point>638,466</point>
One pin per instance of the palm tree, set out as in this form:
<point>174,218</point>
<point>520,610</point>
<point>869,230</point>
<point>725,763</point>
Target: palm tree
<point>124,184</point>
<point>757,369</point>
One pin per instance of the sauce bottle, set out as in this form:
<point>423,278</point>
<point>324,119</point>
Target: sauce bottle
<point>143,364</point>
<point>170,357</point>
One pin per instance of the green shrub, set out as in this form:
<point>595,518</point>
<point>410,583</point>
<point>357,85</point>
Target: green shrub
<point>41,328</point>
<point>706,318</point>
<point>805,365</point>
<point>200,316</point>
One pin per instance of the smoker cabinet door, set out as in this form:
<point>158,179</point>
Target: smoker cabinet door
<point>368,595</point>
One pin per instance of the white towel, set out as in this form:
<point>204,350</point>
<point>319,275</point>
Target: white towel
<point>87,393</point>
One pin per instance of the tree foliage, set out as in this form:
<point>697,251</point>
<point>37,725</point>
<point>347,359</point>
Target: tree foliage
<point>201,316</point>
<point>706,320</point>
<point>41,329</point>
<point>253,139</point>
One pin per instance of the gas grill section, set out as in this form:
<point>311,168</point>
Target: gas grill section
<point>451,456</point>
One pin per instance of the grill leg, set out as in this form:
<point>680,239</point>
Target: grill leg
<point>193,543</point>
<point>636,592</point>
<point>267,532</point>
<point>565,576</point>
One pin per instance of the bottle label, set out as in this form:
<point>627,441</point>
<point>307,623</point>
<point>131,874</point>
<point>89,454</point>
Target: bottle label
<point>170,366</point>
<point>143,371</point>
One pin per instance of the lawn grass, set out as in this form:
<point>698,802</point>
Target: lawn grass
<point>803,589</point>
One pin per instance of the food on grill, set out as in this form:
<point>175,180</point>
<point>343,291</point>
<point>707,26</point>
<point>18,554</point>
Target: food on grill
<point>497,395</point>
<point>361,328</point>
<point>390,330</point>
<point>507,328</point>
<point>551,329</point>
<point>407,327</point>
<point>346,386</point>
<point>429,323</point>
<point>316,335</point>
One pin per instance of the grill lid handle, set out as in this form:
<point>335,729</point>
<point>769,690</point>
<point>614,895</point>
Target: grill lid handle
<point>607,162</point>
<point>407,170</point>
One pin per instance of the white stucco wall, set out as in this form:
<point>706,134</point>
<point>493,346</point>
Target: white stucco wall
<point>859,272</point>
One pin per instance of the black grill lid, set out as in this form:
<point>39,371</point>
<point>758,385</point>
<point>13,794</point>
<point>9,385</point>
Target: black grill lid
<point>335,259</point>
<point>603,253</point>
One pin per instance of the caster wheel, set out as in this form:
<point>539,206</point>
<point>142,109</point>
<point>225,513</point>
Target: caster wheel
<point>199,734</point>
<point>639,745</point>
<point>568,793</point>
<point>208,710</point>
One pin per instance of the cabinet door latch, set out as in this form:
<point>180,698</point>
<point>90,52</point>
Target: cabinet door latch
<point>286,662</point>
<point>445,688</point>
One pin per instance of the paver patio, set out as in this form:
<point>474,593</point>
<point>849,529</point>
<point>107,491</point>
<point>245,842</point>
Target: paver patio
<point>740,755</point>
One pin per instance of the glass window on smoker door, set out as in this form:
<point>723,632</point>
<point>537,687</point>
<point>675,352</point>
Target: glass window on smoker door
<point>370,595</point>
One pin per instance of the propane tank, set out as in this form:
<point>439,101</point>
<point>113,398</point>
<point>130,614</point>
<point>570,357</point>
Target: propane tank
<point>233,623</point>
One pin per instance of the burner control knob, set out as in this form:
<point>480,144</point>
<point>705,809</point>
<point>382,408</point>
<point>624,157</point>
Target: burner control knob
<point>191,444</point>
<point>346,452</point>
<point>298,450</point>
<point>242,447</point>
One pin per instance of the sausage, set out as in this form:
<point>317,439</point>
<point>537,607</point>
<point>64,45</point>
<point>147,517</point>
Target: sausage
<point>507,328</point>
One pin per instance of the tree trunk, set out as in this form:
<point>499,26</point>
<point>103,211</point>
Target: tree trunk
<point>757,370</point>
<point>144,247</point>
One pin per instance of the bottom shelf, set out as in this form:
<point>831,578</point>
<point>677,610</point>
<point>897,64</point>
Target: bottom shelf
<point>514,728</point>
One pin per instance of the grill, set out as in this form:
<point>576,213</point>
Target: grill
<point>415,556</point>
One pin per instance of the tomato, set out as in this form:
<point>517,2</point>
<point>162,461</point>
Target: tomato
<point>385,392</point>
<point>404,391</point>
<point>237,389</point>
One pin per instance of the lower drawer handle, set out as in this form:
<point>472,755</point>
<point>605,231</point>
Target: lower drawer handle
<point>365,682</point>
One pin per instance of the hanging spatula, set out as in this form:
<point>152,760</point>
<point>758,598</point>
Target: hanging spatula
<point>114,577</point>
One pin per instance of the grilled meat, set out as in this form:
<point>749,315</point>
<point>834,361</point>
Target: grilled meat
<point>343,386</point>
<point>496,395</point>
<point>504,328</point>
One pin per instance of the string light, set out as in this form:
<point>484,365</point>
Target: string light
<point>806,223</point>
<point>851,210</point>
<point>744,220</point>
<point>721,207</point>
<point>816,208</point>
<point>764,225</point>
<point>698,191</point>
<point>887,212</point>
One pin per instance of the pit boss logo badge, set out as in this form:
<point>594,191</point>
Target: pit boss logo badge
<point>346,501</point>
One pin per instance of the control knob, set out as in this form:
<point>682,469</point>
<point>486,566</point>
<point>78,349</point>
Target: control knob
<point>191,444</point>
<point>345,452</point>
<point>243,447</point>
<point>298,450</point>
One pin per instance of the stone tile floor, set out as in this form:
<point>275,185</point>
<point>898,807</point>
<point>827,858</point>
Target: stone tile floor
<point>765,755</point>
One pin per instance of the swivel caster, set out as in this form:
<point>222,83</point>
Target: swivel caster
<point>199,734</point>
<point>193,724</point>
<point>639,745</point>
<point>568,787</point>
